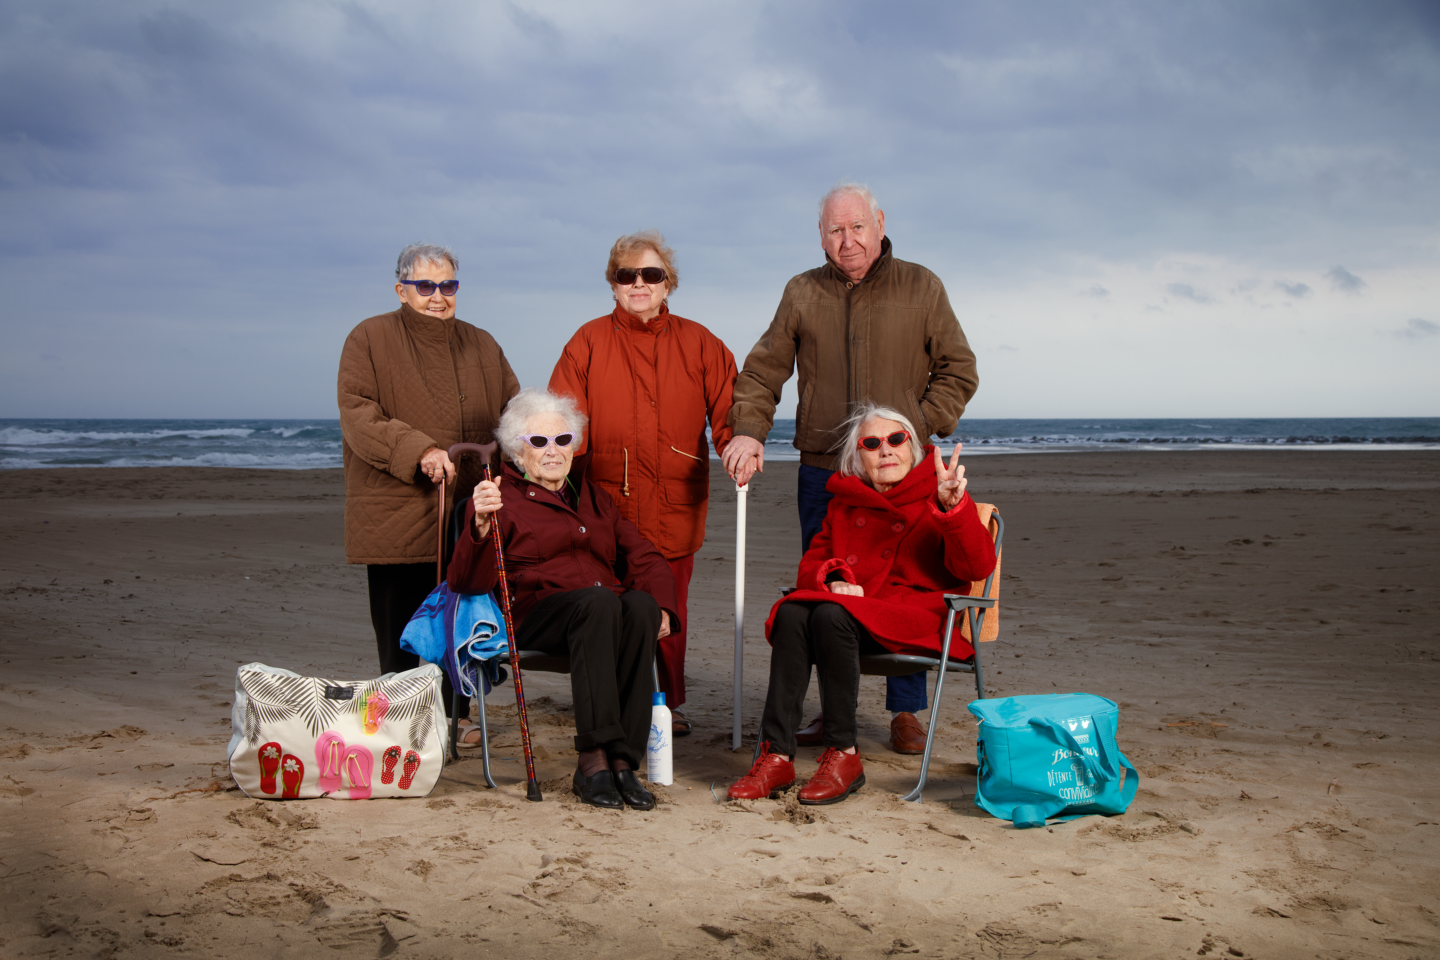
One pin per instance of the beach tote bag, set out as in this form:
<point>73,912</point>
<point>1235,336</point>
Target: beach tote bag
<point>299,738</point>
<point>1051,756</point>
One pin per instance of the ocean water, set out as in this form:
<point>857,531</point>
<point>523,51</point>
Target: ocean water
<point>302,444</point>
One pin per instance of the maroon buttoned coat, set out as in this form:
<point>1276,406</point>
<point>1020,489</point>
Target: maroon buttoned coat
<point>904,550</point>
<point>558,542</point>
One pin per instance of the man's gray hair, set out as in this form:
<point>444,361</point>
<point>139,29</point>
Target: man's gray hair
<point>849,188</point>
<point>850,465</point>
<point>528,404</point>
<point>418,253</point>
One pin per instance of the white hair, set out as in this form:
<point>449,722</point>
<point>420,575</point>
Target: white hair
<point>418,253</point>
<point>850,465</point>
<point>849,188</point>
<point>528,404</point>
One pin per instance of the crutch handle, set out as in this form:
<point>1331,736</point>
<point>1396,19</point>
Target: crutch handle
<point>485,451</point>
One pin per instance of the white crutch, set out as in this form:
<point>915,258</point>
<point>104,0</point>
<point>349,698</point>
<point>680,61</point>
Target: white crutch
<point>740,492</point>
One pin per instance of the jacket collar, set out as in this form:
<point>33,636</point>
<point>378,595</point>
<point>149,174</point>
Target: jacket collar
<point>881,263</point>
<point>579,468</point>
<point>628,320</point>
<point>919,484</point>
<point>424,325</point>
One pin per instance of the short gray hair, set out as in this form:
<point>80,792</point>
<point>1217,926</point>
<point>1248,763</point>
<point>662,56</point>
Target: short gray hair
<point>533,402</point>
<point>849,188</point>
<point>418,253</point>
<point>850,451</point>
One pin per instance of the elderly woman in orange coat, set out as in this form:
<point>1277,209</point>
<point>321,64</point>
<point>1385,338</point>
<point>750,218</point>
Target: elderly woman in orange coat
<point>899,533</point>
<point>649,380</point>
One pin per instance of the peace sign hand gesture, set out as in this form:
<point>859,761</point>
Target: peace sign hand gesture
<point>951,480</point>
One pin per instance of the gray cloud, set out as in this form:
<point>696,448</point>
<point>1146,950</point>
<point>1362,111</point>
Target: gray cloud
<point>1417,329</point>
<point>1096,291</point>
<point>1185,291</point>
<point>1343,280</point>
<point>228,148</point>
<point>1298,291</point>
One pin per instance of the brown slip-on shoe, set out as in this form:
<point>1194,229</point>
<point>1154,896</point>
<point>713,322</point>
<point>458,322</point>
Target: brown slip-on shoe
<point>770,774</point>
<point>907,734</point>
<point>813,735</point>
<point>840,775</point>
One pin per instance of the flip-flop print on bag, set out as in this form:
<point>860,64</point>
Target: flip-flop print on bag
<point>280,717</point>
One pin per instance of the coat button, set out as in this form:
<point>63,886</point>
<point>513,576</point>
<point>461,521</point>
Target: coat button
<point>532,493</point>
<point>859,521</point>
<point>582,529</point>
<point>852,559</point>
<point>897,526</point>
<point>886,554</point>
<point>598,583</point>
<point>462,398</point>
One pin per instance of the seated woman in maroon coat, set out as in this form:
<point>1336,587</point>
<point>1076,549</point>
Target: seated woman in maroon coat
<point>583,582</point>
<point>900,532</point>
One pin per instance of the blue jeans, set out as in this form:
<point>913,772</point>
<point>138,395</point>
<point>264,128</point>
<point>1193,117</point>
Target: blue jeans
<point>906,694</point>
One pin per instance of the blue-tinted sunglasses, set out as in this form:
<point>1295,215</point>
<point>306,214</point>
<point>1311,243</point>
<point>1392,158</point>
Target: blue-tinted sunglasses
<point>427,288</point>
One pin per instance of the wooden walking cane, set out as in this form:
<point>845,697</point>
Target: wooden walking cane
<point>486,452</point>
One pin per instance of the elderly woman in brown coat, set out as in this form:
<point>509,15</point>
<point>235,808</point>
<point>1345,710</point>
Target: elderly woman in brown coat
<point>412,382</point>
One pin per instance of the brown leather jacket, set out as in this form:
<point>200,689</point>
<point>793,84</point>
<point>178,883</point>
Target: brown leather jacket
<point>906,350</point>
<point>409,382</point>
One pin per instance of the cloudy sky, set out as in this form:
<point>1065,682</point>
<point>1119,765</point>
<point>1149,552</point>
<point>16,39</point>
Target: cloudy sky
<point>1139,209</point>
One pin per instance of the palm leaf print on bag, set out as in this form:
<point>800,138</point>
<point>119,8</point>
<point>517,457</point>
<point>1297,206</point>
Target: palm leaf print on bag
<point>275,698</point>
<point>414,699</point>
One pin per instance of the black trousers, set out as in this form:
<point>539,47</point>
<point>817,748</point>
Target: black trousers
<point>826,635</point>
<point>611,642</point>
<point>396,592</point>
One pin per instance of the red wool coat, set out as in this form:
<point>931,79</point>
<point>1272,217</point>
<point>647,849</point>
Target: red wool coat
<point>904,551</point>
<point>648,389</point>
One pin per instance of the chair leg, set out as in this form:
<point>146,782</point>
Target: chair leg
<point>977,622</point>
<point>914,795</point>
<point>455,704</point>
<point>484,739</point>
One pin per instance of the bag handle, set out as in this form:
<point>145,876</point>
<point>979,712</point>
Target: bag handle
<point>1101,766</point>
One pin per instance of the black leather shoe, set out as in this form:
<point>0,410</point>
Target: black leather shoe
<point>632,792</point>
<point>599,790</point>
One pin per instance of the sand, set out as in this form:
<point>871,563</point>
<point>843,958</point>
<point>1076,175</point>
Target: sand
<point>1269,622</point>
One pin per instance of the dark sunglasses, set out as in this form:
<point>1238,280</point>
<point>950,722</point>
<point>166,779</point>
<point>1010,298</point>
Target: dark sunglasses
<point>895,439</point>
<point>624,276</point>
<point>427,288</point>
<point>539,441</point>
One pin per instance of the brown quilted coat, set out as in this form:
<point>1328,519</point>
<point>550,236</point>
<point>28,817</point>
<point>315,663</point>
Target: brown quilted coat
<point>409,382</point>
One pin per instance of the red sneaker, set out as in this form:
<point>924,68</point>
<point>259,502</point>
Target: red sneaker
<point>840,775</point>
<point>770,774</point>
<point>269,766</point>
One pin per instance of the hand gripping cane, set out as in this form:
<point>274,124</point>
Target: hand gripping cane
<point>486,452</point>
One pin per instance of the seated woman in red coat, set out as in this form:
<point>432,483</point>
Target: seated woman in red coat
<point>900,532</point>
<point>583,584</point>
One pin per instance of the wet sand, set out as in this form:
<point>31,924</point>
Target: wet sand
<point>1269,622</point>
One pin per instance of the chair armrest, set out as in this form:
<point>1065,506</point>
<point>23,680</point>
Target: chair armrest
<point>956,602</point>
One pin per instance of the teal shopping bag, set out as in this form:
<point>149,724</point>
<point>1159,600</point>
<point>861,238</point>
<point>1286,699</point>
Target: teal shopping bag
<point>1051,756</point>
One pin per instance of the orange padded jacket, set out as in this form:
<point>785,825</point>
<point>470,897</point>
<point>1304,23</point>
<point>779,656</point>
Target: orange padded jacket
<point>648,389</point>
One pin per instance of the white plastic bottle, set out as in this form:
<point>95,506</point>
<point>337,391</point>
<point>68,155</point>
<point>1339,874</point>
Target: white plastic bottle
<point>659,763</point>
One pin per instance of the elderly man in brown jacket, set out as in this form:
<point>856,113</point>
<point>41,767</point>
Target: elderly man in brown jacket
<point>412,382</point>
<point>866,326</point>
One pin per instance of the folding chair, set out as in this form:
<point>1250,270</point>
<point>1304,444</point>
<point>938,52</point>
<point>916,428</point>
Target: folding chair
<point>981,600</point>
<point>530,660</point>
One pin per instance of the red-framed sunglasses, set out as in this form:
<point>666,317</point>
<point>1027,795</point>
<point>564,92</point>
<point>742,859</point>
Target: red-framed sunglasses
<point>895,439</point>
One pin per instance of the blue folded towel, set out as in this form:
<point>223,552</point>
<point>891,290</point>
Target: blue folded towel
<point>460,632</point>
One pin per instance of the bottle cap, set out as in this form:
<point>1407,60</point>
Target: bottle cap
<point>659,699</point>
